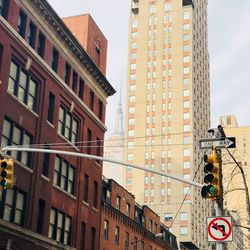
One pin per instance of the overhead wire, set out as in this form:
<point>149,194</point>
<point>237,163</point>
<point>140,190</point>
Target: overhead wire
<point>179,209</point>
<point>104,140</point>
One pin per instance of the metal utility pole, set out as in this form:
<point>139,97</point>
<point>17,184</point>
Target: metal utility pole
<point>94,157</point>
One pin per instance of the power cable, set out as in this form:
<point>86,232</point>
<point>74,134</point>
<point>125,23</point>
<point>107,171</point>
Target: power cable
<point>172,222</point>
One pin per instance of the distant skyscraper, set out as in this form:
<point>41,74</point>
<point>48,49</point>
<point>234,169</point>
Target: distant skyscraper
<point>114,148</point>
<point>234,188</point>
<point>168,111</point>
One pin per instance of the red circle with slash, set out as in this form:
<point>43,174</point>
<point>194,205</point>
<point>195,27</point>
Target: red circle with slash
<point>225,235</point>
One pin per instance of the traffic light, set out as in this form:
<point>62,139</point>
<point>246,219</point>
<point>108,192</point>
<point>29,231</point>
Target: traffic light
<point>213,177</point>
<point>6,173</point>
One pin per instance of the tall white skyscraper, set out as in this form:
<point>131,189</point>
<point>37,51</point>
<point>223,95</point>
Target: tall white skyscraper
<point>168,111</point>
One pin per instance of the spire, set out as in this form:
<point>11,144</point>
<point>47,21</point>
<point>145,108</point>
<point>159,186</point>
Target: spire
<point>119,116</point>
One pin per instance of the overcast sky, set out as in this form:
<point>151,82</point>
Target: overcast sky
<point>229,49</point>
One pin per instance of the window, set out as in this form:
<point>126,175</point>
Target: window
<point>128,209</point>
<point>126,241</point>
<point>89,141</point>
<point>185,37</point>
<point>186,26</point>
<point>131,121</point>
<point>21,27</point>
<point>46,159</point>
<point>186,70</point>
<point>142,245</point>
<point>91,99</point>
<point>106,229</point>
<point>95,191</point>
<point>93,236</point>
<point>186,59</point>
<point>64,175</point>
<point>81,89</point>
<point>186,104</point>
<point>134,23</point>
<point>14,135</point>
<point>186,164</point>
<point>98,148</point>
<point>186,15</point>
<point>186,140</point>
<point>67,73</point>
<point>23,86</point>
<point>186,92</point>
<point>4,8</point>
<point>60,226</point>
<point>135,243</point>
<point>168,216</point>
<point>41,45</point>
<point>131,132</point>
<point>74,81</point>
<point>100,109</point>
<point>117,235</point>
<point>12,206</point>
<point>186,116</point>
<point>54,64</point>
<point>183,230</point>
<point>32,35</point>
<point>83,236</point>
<point>152,9</point>
<point>186,48</point>
<point>86,188</point>
<point>186,190</point>
<point>183,216</point>
<point>41,213</point>
<point>133,56</point>
<point>1,54</point>
<point>131,110</point>
<point>186,152</point>
<point>97,55</point>
<point>118,203</point>
<point>167,6</point>
<point>108,197</point>
<point>67,125</point>
<point>186,128</point>
<point>51,107</point>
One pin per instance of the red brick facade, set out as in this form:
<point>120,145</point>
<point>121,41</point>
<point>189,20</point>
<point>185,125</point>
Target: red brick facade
<point>56,199</point>
<point>139,227</point>
<point>90,37</point>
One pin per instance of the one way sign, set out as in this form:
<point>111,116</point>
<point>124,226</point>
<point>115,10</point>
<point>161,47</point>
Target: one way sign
<point>228,142</point>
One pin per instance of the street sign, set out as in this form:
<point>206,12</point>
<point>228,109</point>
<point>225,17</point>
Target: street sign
<point>219,229</point>
<point>228,142</point>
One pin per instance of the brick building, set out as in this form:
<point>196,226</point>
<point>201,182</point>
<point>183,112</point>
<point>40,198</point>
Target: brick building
<point>127,225</point>
<point>54,95</point>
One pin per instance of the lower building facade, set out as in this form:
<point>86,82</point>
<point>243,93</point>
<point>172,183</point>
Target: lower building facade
<point>127,225</point>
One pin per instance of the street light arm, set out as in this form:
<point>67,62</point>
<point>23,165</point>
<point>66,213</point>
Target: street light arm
<point>94,157</point>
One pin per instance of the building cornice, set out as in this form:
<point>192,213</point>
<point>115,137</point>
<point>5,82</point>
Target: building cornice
<point>65,35</point>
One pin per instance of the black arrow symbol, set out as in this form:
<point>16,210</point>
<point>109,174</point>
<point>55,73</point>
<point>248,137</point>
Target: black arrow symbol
<point>220,226</point>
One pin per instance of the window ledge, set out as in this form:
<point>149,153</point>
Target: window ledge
<point>23,104</point>
<point>69,142</point>
<point>28,169</point>
<point>95,209</point>
<point>45,177</point>
<point>85,203</point>
<point>65,192</point>
<point>50,124</point>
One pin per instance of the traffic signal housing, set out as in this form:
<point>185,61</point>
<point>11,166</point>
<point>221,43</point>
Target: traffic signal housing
<point>213,177</point>
<point>6,174</point>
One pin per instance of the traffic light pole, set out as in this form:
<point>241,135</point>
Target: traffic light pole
<point>94,157</point>
<point>219,203</point>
